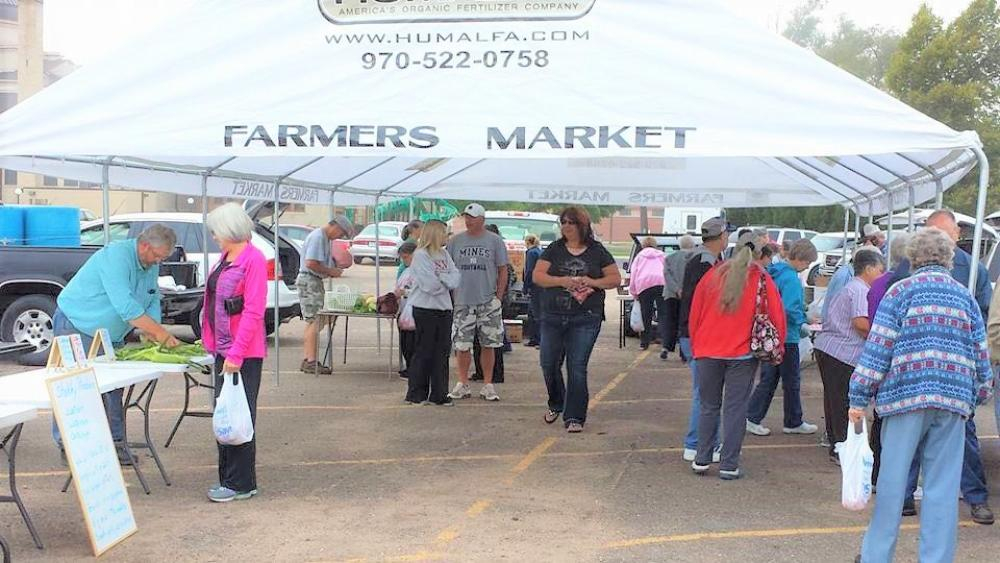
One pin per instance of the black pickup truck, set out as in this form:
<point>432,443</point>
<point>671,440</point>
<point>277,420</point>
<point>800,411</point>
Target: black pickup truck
<point>31,279</point>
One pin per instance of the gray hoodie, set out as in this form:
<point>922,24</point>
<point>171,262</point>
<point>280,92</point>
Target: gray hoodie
<point>434,277</point>
<point>673,273</point>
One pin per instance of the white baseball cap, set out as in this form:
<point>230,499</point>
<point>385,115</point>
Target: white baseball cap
<point>474,210</point>
<point>871,230</point>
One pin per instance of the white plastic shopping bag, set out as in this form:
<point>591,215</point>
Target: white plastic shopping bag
<point>635,320</point>
<point>406,321</point>
<point>856,461</point>
<point>231,421</point>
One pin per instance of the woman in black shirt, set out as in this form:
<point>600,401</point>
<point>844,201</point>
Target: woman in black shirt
<point>573,273</point>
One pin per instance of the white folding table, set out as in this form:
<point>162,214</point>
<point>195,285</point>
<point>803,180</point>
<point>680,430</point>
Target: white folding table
<point>29,388</point>
<point>14,416</point>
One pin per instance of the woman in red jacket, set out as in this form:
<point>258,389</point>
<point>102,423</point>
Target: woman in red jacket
<point>721,321</point>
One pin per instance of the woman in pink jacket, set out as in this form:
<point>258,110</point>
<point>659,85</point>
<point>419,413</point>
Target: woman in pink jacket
<point>646,285</point>
<point>232,330</point>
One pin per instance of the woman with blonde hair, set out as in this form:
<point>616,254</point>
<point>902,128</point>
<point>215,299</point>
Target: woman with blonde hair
<point>434,277</point>
<point>721,322</point>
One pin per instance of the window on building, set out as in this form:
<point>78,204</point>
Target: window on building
<point>626,212</point>
<point>8,12</point>
<point>10,177</point>
<point>8,75</point>
<point>691,223</point>
<point>71,183</point>
<point>50,181</point>
<point>656,212</point>
<point>7,100</point>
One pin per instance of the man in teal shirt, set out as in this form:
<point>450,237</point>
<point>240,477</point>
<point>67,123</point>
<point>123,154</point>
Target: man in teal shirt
<point>117,289</point>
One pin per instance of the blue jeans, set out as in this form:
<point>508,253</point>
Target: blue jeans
<point>533,329</point>
<point>570,338</point>
<point>973,485</point>
<point>112,399</point>
<point>691,440</point>
<point>763,394</point>
<point>938,434</point>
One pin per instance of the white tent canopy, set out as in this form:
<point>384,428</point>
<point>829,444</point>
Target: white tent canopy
<point>591,101</point>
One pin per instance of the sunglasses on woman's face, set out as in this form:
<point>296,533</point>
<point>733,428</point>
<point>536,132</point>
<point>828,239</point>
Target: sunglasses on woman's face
<point>567,222</point>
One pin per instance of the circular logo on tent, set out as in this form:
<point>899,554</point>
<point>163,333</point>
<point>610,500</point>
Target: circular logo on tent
<point>395,11</point>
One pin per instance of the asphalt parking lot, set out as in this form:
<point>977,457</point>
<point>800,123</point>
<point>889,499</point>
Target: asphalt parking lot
<point>348,472</point>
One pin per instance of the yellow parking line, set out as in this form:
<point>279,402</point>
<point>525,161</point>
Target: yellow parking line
<point>617,380</point>
<point>478,507</point>
<point>788,532</point>
<point>529,459</point>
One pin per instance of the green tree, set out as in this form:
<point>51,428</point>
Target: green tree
<point>865,53</point>
<point>953,75</point>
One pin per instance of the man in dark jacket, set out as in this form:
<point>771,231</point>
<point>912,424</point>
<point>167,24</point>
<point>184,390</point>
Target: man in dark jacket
<point>714,241</point>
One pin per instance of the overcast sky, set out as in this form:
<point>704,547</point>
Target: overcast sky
<point>83,30</point>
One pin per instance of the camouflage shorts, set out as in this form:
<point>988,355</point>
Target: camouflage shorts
<point>486,321</point>
<point>311,294</point>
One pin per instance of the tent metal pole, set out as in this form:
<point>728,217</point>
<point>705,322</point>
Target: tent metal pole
<point>841,182</point>
<point>817,180</point>
<point>106,199</point>
<point>847,224</point>
<point>204,247</point>
<point>888,238</point>
<point>378,273</point>
<point>857,225</point>
<point>411,210</point>
<point>977,239</point>
<point>913,203</point>
<point>277,280</point>
<point>939,185</point>
<point>276,226</point>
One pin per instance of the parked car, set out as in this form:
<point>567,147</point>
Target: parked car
<point>829,249</point>
<point>31,279</point>
<point>777,235</point>
<point>295,233</point>
<point>188,228</point>
<point>390,237</point>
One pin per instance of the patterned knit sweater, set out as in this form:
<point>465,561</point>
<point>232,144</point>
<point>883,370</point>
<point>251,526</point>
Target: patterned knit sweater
<point>926,349</point>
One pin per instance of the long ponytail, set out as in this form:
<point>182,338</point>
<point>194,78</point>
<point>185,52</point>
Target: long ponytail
<point>733,278</point>
<point>733,272</point>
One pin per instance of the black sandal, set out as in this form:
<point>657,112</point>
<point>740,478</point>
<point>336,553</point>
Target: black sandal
<point>551,417</point>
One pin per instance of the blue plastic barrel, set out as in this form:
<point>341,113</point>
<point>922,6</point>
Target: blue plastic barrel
<point>11,225</point>
<point>52,226</point>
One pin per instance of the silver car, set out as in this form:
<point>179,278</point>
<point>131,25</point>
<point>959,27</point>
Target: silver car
<point>390,237</point>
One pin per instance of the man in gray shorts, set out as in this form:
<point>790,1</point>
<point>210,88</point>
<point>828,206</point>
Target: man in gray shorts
<point>317,264</point>
<point>481,257</point>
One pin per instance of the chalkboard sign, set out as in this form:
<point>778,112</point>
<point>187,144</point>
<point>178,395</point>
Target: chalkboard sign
<point>79,412</point>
